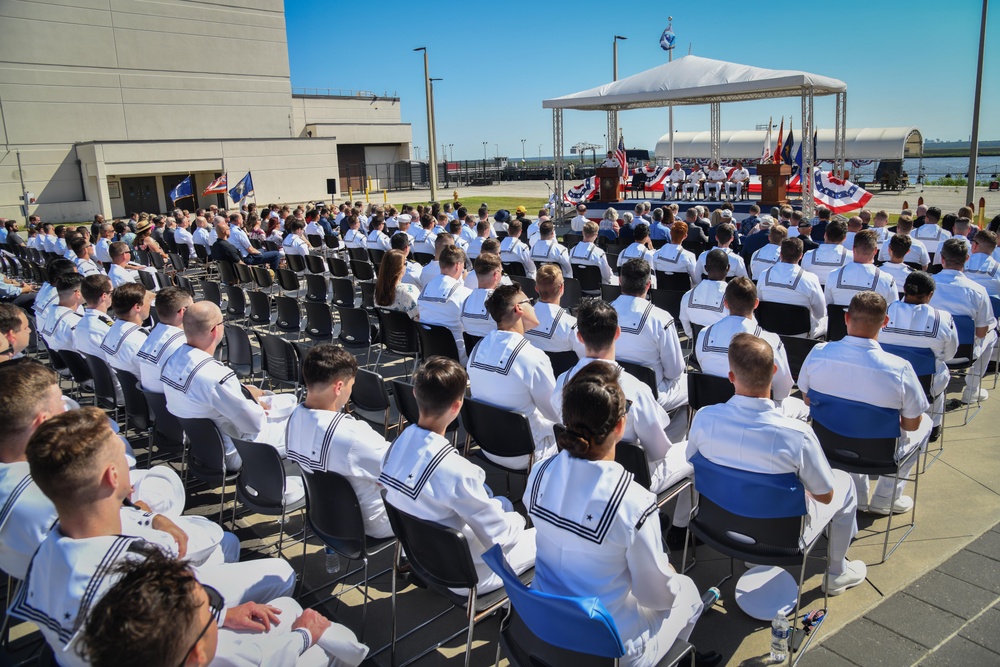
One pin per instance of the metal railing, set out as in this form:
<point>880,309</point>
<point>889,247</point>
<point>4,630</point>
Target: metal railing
<point>342,92</point>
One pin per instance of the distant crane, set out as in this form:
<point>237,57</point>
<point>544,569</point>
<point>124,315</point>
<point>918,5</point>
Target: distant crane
<point>582,147</point>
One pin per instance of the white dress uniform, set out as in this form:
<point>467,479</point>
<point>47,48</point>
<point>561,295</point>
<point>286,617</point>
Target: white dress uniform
<point>198,386</point>
<point>598,535</point>
<point>293,244</point>
<point>898,273</point>
<point>649,338</point>
<point>712,353</point>
<point>923,326</point>
<point>88,267</point>
<point>476,319</point>
<point>432,271</point>
<point>26,515</point>
<point>47,296</point>
<point>737,268</point>
<point>713,190</point>
<point>472,280</point>
<point>845,282</point>
<point>675,259</point>
<point>202,236</point>
<point>589,254</point>
<point>515,250</point>
<point>691,183</point>
<point>102,250</point>
<point>183,237</point>
<point>505,370</point>
<point>858,369</point>
<point>121,346</point>
<point>411,273</point>
<point>440,303</point>
<point>917,252</point>
<point>674,182</point>
<point>423,240</point>
<point>119,275</point>
<point>423,475</point>
<point>937,252</point>
<point>49,243</point>
<point>550,251</point>
<point>337,442</point>
<point>314,228</point>
<point>646,424</point>
<point>957,294</point>
<point>983,269</point>
<point>90,332</point>
<point>848,242</point>
<point>57,329</point>
<point>752,434</point>
<point>638,251</point>
<point>735,184</point>
<point>826,259</point>
<point>791,283</point>
<point>556,330</point>
<point>355,238</point>
<point>881,233</point>
<point>765,258</point>
<point>932,236</point>
<point>161,343</point>
<point>475,247</point>
<point>703,305</point>
<point>378,240</point>
<point>577,223</point>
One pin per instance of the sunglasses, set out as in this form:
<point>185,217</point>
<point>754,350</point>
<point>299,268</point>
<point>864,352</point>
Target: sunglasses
<point>215,605</point>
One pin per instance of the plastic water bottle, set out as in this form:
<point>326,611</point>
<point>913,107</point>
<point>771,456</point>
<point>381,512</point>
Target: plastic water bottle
<point>779,638</point>
<point>710,597</point>
<point>332,561</point>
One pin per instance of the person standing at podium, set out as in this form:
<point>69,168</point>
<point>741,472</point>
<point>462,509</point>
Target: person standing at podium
<point>612,162</point>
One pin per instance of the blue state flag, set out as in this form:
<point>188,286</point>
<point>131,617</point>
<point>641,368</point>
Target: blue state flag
<point>242,189</point>
<point>668,38</point>
<point>786,149</point>
<point>182,190</point>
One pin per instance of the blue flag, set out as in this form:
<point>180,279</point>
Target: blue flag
<point>182,190</point>
<point>242,189</point>
<point>786,149</point>
<point>668,38</point>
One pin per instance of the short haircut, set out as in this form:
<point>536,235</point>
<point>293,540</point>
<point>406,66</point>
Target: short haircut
<point>513,226</point>
<point>933,212</point>
<point>954,251</point>
<point>751,359</point>
<point>678,231</point>
<point>147,617</point>
<point>454,227</point>
<point>866,241</point>
<point>501,303</point>
<point>118,249</point>
<point>200,318</point>
<point>823,213</point>
<point>438,384</point>
<point>170,300</point>
<point>919,283</point>
<point>634,276</point>
<point>126,297</point>
<point>490,246</point>
<point>442,241</point>
<point>24,386</point>
<point>482,227</point>
<point>725,233</point>
<point>777,234</point>
<point>548,280</point>
<point>836,231</point>
<point>597,324</point>
<point>327,363</point>
<point>591,228</point>
<point>57,267</point>
<point>451,256</point>
<point>791,250</point>
<point>546,228</point>
<point>593,403</point>
<point>641,231</point>
<point>78,243</point>
<point>64,451</point>
<point>717,262</point>
<point>485,264</point>
<point>986,238</point>
<point>904,224</point>
<point>741,296</point>
<point>899,245</point>
<point>10,318</point>
<point>68,283</point>
<point>400,241</point>
<point>868,309</point>
<point>94,287</point>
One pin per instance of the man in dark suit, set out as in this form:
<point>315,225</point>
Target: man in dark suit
<point>757,240</point>
<point>819,229</point>
<point>697,239</point>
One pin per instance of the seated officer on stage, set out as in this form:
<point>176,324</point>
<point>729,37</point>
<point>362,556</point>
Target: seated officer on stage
<point>423,475</point>
<point>787,282</point>
<point>705,303</point>
<point>858,369</point>
<point>861,274</point>
<point>749,432</point>
<point>321,436</point>
<point>712,347</point>
<point>556,328</point>
<point>79,464</point>
<point>649,337</point>
<point>507,371</point>
<point>165,338</point>
<point>588,253</point>
<point>198,386</point>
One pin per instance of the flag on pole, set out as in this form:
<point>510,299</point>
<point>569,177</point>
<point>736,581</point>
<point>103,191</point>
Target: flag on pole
<point>765,154</point>
<point>781,135</point>
<point>217,187</point>
<point>840,196</point>
<point>182,189</point>
<point>242,189</point>
<point>668,38</point>
<point>786,149</point>
<point>798,161</point>
<point>622,158</point>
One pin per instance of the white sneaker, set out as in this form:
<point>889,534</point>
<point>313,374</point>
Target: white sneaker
<point>971,397</point>
<point>902,505</point>
<point>854,574</point>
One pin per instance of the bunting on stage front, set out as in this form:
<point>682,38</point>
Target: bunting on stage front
<point>840,196</point>
<point>583,192</point>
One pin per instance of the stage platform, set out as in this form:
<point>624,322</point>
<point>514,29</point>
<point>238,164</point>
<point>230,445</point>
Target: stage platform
<point>596,209</point>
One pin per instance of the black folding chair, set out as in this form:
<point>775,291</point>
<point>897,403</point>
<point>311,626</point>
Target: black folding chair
<point>370,400</point>
<point>397,336</point>
<point>357,331</point>
<point>240,355</point>
<point>784,319</point>
<point>207,458</point>
<point>499,432</point>
<point>105,394</point>
<point>166,432</point>
<point>562,361</point>
<point>436,340</point>
<point>668,300</point>
<point>280,360</point>
<point>262,484</point>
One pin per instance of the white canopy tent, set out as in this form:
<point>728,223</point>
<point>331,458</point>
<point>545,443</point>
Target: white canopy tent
<point>695,80</point>
<point>868,143</point>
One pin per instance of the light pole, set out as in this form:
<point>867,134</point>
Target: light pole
<point>416,149</point>
<point>970,192</point>
<point>539,153</point>
<point>431,136</point>
<point>617,37</point>
<point>452,149</point>
<point>434,164</point>
<point>522,150</point>
<point>484,152</point>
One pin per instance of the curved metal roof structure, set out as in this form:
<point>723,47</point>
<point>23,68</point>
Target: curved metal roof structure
<point>867,143</point>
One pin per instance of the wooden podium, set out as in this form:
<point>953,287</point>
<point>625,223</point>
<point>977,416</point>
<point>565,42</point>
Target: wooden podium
<point>774,183</point>
<point>607,178</point>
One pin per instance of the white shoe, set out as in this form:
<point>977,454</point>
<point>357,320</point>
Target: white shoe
<point>970,397</point>
<point>902,505</point>
<point>854,574</point>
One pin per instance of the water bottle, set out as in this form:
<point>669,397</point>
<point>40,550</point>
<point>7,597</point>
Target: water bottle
<point>332,561</point>
<point>779,638</point>
<point>710,597</point>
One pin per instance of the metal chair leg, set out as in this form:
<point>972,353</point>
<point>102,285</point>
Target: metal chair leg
<point>395,572</point>
<point>472,625</point>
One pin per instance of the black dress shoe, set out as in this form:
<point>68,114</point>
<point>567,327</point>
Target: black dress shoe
<point>935,433</point>
<point>707,659</point>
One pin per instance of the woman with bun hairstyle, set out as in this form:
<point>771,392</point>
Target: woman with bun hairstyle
<point>598,531</point>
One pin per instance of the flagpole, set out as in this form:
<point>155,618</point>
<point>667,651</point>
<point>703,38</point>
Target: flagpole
<point>670,59</point>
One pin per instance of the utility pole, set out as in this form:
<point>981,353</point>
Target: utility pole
<point>431,138</point>
<point>970,191</point>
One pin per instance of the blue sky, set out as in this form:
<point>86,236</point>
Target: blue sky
<point>906,62</point>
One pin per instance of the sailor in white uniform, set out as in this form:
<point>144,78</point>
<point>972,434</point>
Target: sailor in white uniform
<point>674,181</point>
<point>482,232</point>
<point>475,316</point>
<point>918,253</point>
<point>830,255</point>
<point>856,368</point>
<point>84,251</point>
<point>121,344</point>
<point>713,184</point>
<point>705,303</point>
<point>738,180</point>
<point>423,236</point>
<point>649,338</point>
<point>673,258</point>
<point>587,252</point>
<point>861,274</point>
<point>354,237</point>
<point>411,273</point>
<point>90,332</point>
<point>102,247</point>
<point>512,249</point>
<point>376,234</point>
<point>769,255</point>
<point>165,338</point>
<point>749,433</point>
<point>556,328</point>
<point>295,242</point>
<point>693,182</point>
<point>321,436</point>
<point>913,322</point>
<point>441,299</point>
<point>724,235</point>
<point>981,267</point>
<point>641,249</point>
<point>433,268</point>
<point>59,322</point>
<point>899,245</point>
<point>597,530</point>
<point>931,234</point>
<point>712,347</point>
<point>787,282</point>
<point>549,251</point>
<point>507,371</point>
<point>423,475</point>
<point>198,386</point>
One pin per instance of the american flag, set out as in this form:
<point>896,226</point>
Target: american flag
<point>217,187</point>
<point>621,156</point>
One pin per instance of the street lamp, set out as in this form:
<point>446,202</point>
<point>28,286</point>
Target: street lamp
<point>484,151</point>
<point>522,150</point>
<point>451,147</point>
<point>539,153</point>
<point>431,135</point>
<point>617,37</point>
<point>417,150</point>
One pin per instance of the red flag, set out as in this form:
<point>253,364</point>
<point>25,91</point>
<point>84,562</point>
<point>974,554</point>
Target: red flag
<point>777,151</point>
<point>216,187</point>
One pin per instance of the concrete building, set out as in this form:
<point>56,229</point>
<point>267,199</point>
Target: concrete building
<point>106,104</point>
